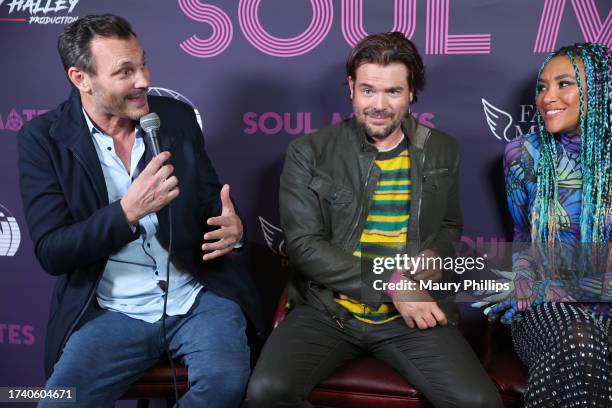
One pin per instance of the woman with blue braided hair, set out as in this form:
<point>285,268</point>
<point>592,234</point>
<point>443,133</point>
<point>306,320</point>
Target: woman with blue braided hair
<point>559,190</point>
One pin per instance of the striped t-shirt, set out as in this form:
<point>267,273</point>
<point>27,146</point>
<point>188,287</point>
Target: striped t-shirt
<point>387,222</point>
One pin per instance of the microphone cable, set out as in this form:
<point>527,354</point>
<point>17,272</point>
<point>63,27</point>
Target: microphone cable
<point>166,292</point>
<point>150,123</point>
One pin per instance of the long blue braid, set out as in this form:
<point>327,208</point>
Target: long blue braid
<point>595,151</point>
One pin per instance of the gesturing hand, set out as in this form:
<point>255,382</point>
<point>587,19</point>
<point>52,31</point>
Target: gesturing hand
<point>229,231</point>
<point>152,189</point>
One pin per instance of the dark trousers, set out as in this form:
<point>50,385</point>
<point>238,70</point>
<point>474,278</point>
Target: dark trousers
<point>308,346</point>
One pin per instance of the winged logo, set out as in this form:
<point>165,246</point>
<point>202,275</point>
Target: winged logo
<point>10,235</point>
<point>169,93</point>
<point>498,120</point>
<point>275,238</point>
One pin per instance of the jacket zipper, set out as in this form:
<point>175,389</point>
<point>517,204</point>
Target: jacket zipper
<point>436,171</point>
<point>365,192</point>
<point>339,322</point>
<point>337,319</point>
<point>418,220</point>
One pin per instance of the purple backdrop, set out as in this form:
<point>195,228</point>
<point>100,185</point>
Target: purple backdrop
<point>262,72</point>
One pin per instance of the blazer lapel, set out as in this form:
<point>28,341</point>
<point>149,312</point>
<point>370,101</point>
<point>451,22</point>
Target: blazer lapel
<point>166,139</point>
<point>71,131</point>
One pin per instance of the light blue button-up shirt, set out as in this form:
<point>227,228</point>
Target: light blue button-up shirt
<point>129,282</point>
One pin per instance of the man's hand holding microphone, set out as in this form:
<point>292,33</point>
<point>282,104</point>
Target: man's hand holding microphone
<point>156,187</point>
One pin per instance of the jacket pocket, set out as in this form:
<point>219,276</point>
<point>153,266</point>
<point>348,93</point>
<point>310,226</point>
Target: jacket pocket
<point>331,193</point>
<point>435,180</point>
<point>337,205</point>
<point>434,172</point>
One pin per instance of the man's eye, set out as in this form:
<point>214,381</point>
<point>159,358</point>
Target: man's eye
<point>126,72</point>
<point>394,92</point>
<point>368,92</point>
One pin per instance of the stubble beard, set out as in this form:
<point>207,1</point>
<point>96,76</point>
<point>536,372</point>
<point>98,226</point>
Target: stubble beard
<point>118,105</point>
<point>379,135</point>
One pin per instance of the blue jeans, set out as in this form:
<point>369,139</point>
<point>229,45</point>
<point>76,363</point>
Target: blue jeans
<point>109,352</point>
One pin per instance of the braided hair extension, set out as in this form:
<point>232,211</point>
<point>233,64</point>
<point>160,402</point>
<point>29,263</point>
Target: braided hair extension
<point>595,151</point>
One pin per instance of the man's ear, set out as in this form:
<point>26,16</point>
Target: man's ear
<point>80,79</point>
<point>351,85</point>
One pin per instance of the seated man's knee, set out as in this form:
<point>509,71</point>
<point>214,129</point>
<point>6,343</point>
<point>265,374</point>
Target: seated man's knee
<point>89,393</point>
<point>484,397</point>
<point>228,382</point>
<point>266,391</point>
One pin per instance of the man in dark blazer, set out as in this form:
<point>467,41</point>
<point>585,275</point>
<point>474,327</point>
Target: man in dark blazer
<point>97,205</point>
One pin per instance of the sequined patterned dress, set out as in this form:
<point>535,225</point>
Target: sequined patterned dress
<point>566,346</point>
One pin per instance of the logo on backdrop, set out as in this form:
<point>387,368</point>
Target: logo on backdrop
<point>275,238</point>
<point>435,25</point>
<point>502,124</point>
<point>298,123</point>
<point>10,236</point>
<point>592,26</point>
<point>491,245</point>
<point>15,118</point>
<point>16,334</point>
<point>169,93</point>
<point>39,11</point>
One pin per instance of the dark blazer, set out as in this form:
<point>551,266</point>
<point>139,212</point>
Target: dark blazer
<point>74,228</point>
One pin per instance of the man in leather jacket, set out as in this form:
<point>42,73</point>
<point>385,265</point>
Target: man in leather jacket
<point>377,178</point>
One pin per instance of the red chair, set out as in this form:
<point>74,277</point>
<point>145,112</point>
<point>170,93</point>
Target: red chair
<point>364,382</point>
<point>157,384</point>
<point>367,382</point>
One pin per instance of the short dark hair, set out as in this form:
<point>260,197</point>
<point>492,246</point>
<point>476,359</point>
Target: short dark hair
<point>385,49</point>
<point>74,43</point>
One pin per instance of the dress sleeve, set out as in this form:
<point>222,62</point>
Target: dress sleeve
<point>517,194</point>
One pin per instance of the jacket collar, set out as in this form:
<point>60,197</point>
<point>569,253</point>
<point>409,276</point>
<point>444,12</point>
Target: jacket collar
<point>71,131</point>
<point>417,134</point>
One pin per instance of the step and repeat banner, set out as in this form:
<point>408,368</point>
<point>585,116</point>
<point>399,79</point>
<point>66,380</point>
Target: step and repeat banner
<point>260,73</point>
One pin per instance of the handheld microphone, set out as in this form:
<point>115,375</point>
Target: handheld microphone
<point>150,124</point>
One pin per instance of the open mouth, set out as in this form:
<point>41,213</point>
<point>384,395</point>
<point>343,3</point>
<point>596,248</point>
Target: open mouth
<point>138,98</point>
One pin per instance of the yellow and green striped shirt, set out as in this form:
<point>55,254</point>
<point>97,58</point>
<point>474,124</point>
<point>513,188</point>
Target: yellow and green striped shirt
<point>387,222</point>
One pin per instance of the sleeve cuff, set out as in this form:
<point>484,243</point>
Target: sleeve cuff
<point>395,278</point>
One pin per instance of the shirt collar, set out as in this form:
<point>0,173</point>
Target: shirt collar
<point>93,129</point>
<point>90,125</point>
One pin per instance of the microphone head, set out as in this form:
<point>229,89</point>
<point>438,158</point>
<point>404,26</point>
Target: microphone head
<point>150,121</point>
